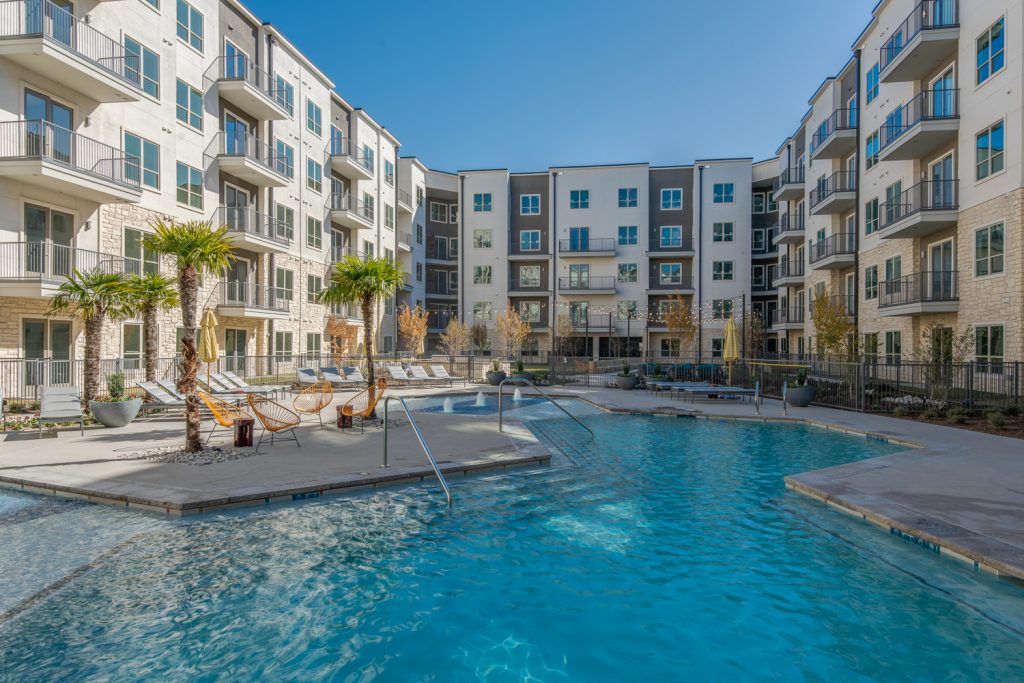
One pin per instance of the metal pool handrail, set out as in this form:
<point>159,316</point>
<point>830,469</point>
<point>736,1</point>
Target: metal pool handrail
<point>501,415</point>
<point>423,443</point>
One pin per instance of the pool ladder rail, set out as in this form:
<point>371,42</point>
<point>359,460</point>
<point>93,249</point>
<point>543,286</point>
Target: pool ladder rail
<point>419,437</point>
<point>520,380</point>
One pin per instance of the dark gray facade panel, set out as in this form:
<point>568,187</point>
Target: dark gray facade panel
<point>666,178</point>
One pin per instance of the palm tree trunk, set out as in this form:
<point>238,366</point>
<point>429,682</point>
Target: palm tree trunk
<point>188,289</point>
<point>93,340</point>
<point>150,341</point>
<point>367,305</point>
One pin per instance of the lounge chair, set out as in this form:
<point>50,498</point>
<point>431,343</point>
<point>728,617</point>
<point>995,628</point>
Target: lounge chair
<point>226,382</point>
<point>170,387</point>
<point>306,376</point>
<point>215,386</point>
<point>224,413</point>
<point>242,384</point>
<point>418,373</point>
<point>441,373</point>
<point>163,398</point>
<point>61,404</point>
<point>363,405</point>
<point>398,374</point>
<point>334,377</point>
<point>313,399</point>
<point>354,375</point>
<point>274,418</point>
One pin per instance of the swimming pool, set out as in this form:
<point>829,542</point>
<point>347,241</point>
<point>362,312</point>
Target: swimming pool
<point>672,552</point>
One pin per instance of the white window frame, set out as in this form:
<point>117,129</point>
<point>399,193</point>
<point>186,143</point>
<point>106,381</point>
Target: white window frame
<point>668,199</point>
<point>526,205</point>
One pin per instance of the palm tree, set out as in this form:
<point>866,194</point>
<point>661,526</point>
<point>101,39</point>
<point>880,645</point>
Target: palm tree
<point>94,297</point>
<point>197,249</point>
<point>149,295</point>
<point>355,281</point>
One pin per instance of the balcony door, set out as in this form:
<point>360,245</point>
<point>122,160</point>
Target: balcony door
<point>941,174</point>
<point>236,134</point>
<point>579,239</point>
<point>236,204</point>
<point>47,345</point>
<point>55,18</point>
<point>48,126</point>
<point>235,61</point>
<point>235,342</point>
<point>943,92</point>
<point>941,280</point>
<point>48,242</point>
<point>579,276</point>
<point>237,279</point>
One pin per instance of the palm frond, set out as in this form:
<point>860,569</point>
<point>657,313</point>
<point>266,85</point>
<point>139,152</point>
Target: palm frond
<point>353,280</point>
<point>151,291</point>
<point>89,294</point>
<point>195,244</point>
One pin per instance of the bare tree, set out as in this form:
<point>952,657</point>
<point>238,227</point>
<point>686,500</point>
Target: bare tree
<point>682,322</point>
<point>412,326</point>
<point>456,337</point>
<point>833,326</point>
<point>478,337</point>
<point>510,331</point>
<point>564,330</point>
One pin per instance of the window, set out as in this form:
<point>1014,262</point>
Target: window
<point>671,199</point>
<point>143,162</point>
<point>669,348</point>
<point>579,199</point>
<point>190,25</point>
<point>717,346</point>
<point>529,240</point>
<point>721,309</point>
<point>628,234</point>
<point>871,216</point>
<point>389,217</point>
<point>138,259</point>
<point>894,207</point>
<point>482,202</point>
<point>314,342</point>
<point>369,158</point>
<point>757,277</point>
<point>389,172</point>
<point>721,270</point>
<point>438,212</point>
<point>772,204</point>
<point>627,197</point>
<point>871,282</point>
<point>314,118</point>
<point>988,346</point>
<point>190,186</point>
<point>284,159</point>
<point>419,234</point>
<point>142,66</point>
<point>529,204</point>
<point>670,273</point>
<point>578,312</point>
<point>722,232</point>
<point>481,311</point>
<point>314,283</point>
<point>481,239</point>
<point>529,276</point>
<point>481,275</point>
<point>453,213</point>
<point>871,151</point>
<point>368,205</point>
<point>153,3</point>
<point>389,255</point>
<point>757,202</point>
<point>285,227</point>
<point>872,89</point>
<point>529,311</point>
<point>893,348</point>
<point>988,250</point>
<point>189,105</point>
<point>628,272</point>
<point>314,232</point>
<point>283,348</point>
<point>990,151</point>
<point>871,346</point>
<point>419,195</point>
<point>389,306</point>
<point>284,94</point>
<point>723,193</point>
<point>893,272</point>
<point>453,247</point>
<point>284,283</point>
<point>626,310</point>
<point>991,53</point>
<point>671,236</point>
<point>314,175</point>
<point>419,272</point>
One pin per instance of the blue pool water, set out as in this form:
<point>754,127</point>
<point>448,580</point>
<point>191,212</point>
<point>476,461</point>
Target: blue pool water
<point>671,552</point>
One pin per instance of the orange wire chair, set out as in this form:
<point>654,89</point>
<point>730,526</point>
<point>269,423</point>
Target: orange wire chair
<point>224,413</point>
<point>363,405</point>
<point>274,417</point>
<point>313,399</point>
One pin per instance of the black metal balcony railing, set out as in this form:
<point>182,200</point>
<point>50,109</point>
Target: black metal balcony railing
<point>44,141</point>
<point>682,242</point>
<point>834,245</point>
<point>441,288</point>
<point>671,281</point>
<point>924,287</point>
<point>32,18</point>
<point>586,246</point>
<point>251,295</point>
<point>790,176</point>
<point>52,262</point>
<point>844,301</point>
<point>788,316</point>
<point>441,251</point>
<point>346,202</point>
<point>438,320</point>
<point>249,147</point>
<point>927,105</point>
<point>249,221</point>
<point>840,181</point>
<point>584,284</point>
<point>789,223</point>
<point>840,119</point>
<point>929,195</point>
<point>927,15</point>
<point>789,268</point>
<point>340,146</point>
<point>516,284</point>
<point>240,68</point>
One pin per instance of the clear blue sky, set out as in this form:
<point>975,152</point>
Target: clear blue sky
<point>534,83</point>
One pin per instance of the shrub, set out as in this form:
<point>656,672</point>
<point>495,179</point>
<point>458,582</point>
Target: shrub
<point>1011,411</point>
<point>931,413</point>
<point>957,418</point>
<point>115,386</point>
<point>997,420</point>
<point>900,411</point>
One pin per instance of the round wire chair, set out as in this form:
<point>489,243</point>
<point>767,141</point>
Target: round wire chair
<point>274,417</point>
<point>363,405</point>
<point>313,399</point>
<point>224,413</point>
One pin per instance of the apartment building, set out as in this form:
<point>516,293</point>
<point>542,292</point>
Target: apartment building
<point>764,252</point>
<point>912,213</point>
<point>118,114</point>
<point>440,271</point>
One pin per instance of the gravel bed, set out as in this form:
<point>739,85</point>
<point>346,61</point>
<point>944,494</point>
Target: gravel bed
<point>174,454</point>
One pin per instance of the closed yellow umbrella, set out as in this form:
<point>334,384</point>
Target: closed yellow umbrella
<point>730,350</point>
<point>208,350</point>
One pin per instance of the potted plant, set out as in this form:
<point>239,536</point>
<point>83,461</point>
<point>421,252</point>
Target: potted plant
<point>800,393</point>
<point>521,372</point>
<point>626,379</point>
<point>495,375</point>
<point>118,409</point>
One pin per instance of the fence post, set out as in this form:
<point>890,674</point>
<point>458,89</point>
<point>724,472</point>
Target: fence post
<point>970,383</point>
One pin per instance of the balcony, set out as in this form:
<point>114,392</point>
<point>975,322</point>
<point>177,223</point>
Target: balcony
<point>788,319</point>
<point>918,46</point>
<point>258,93</point>
<point>403,242</point>
<point>837,194</point>
<point>765,246</point>
<point>253,230</point>
<point>405,203</point>
<point>920,294</point>
<point>349,161</point>
<point>248,158</point>
<point>587,285</point>
<point>528,251</point>
<point>836,137</point>
<point>789,186</point>
<point>670,283</point>
<point>338,253</point>
<point>925,208</point>
<point>790,229</point>
<point>441,290</point>
<point>36,269</point>
<point>40,153</point>
<point>351,312</point>
<point>790,273</point>
<point>248,300</point>
<point>925,124</point>
<point>843,302</point>
<point>586,248</point>
<point>50,41</point>
<point>673,246</point>
<point>437,321</point>
<point>351,212</point>
<point>833,253</point>
<point>532,287</point>
<point>440,251</point>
